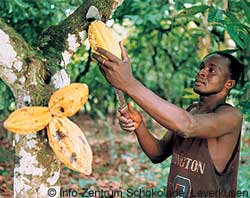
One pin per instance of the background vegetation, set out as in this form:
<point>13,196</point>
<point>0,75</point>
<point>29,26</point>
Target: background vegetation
<point>165,41</point>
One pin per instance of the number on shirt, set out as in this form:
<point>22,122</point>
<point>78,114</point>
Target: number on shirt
<point>182,187</point>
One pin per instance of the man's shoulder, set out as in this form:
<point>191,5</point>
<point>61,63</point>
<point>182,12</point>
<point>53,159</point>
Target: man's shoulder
<point>228,108</point>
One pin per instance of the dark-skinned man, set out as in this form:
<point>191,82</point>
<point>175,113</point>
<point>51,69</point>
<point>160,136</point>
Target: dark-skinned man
<point>204,140</point>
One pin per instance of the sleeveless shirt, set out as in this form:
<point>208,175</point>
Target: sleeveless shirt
<point>193,173</point>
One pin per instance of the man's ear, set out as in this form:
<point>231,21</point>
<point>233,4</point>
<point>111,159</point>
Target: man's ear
<point>230,84</point>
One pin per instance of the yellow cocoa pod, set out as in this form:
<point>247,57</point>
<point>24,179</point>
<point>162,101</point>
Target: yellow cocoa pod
<point>68,100</point>
<point>28,120</point>
<point>70,145</point>
<point>100,35</point>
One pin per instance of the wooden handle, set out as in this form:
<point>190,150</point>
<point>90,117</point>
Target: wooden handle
<point>124,111</point>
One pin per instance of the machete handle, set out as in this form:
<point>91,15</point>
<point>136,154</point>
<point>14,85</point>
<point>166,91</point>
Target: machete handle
<point>124,111</point>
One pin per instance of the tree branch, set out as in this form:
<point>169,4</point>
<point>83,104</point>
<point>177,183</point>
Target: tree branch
<point>170,57</point>
<point>86,69</point>
<point>59,43</point>
<point>21,68</point>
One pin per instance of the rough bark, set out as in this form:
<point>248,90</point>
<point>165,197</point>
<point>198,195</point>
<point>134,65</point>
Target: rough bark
<point>33,74</point>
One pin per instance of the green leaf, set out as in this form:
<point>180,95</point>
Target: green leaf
<point>83,183</point>
<point>246,105</point>
<point>100,114</point>
<point>229,51</point>
<point>246,8</point>
<point>236,92</point>
<point>189,90</point>
<point>215,15</point>
<point>191,94</point>
<point>2,105</point>
<point>246,86</point>
<point>193,97</point>
<point>248,118</point>
<point>245,108</point>
<point>21,3</point>
<point>232,17</point>
<point>6,155</point>
<point>234,6</point>
<point>192,11</point>
<point>233,31</point>
<point>246,39</point>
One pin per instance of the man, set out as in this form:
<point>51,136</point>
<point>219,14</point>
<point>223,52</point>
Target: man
<point>203,141</point>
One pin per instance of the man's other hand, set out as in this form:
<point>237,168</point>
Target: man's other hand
<point>131,120</point>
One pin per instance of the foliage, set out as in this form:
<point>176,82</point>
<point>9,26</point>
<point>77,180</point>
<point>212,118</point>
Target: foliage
<point>244,172</point>
<point>165,44</point>
<point>163,41</point>
<point>7,101</point>
<point>30,18</point>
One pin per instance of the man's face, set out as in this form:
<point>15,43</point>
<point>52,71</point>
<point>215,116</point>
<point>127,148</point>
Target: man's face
<point>213,75</point>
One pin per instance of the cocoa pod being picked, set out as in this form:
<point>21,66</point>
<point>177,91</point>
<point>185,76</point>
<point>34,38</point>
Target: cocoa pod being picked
<point>100,35</point>
<point>68,100</point>
<point>70,145</point>
<point>28,120</point>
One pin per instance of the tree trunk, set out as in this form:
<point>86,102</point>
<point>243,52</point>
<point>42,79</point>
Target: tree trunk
<point>33,75</point>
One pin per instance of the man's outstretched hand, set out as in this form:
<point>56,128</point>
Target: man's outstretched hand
<point>116,71</point>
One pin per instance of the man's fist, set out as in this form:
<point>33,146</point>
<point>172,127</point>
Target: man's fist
<point>129,120</point>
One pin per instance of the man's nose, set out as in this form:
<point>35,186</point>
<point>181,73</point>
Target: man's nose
<point>203,73</point>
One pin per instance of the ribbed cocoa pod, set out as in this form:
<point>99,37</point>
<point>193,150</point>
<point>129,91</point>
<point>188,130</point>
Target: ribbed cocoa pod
<point>100,35</point>
<point>28,120</point>
<point>68,100</point>
<point>70,145</point>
